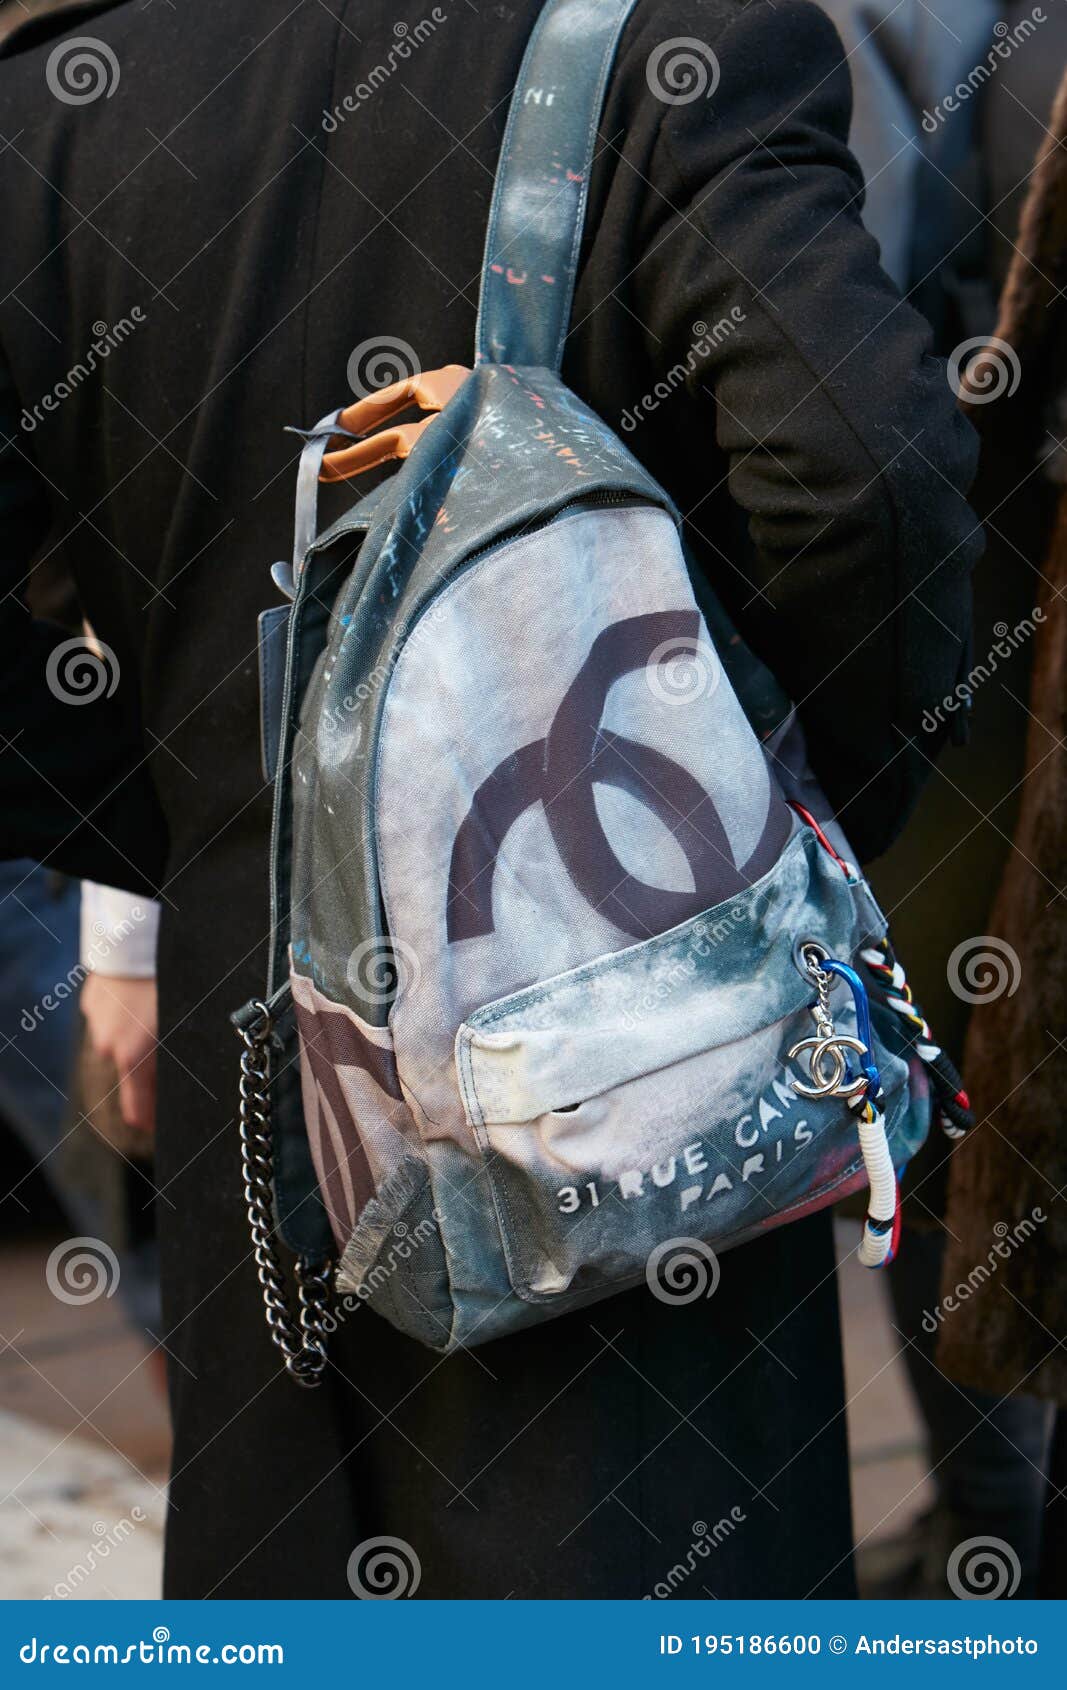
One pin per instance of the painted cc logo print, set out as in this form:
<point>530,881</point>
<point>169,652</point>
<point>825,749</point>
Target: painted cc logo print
<point>560,772</point>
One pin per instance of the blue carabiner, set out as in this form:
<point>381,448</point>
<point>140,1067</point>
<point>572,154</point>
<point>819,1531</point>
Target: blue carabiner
<point>863,1019</point>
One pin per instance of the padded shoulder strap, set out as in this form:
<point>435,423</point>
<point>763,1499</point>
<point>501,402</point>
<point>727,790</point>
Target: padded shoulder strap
<point>542,180</point>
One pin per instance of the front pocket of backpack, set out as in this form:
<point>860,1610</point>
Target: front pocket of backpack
<point>647,1095</point>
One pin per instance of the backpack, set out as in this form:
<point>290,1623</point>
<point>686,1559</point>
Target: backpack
<point>573,982</point>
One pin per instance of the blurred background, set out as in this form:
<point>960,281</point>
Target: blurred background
<point>83,1426</point>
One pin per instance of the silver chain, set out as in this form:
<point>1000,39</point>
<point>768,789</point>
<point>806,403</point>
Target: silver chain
<point>303,1346</point>
<point>812,957</point>
<point>821,1013</point>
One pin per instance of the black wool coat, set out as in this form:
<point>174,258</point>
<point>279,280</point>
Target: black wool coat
<point>246,230</point>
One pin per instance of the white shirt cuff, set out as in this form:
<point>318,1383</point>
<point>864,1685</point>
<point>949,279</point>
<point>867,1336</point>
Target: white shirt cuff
<point>118,932</point>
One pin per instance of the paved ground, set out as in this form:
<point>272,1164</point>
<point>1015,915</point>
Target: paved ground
<point>83,1443</point>
<point>83,1435</point>
<point>889,1482</point>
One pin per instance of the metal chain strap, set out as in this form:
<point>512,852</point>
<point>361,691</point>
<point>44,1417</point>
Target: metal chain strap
<point>303,1346</point>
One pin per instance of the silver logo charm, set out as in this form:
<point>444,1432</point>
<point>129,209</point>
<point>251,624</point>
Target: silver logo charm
<point>829,1048</point>
<point>827,1063</point>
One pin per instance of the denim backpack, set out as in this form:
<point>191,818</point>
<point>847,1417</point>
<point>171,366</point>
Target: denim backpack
<point>573,983</point>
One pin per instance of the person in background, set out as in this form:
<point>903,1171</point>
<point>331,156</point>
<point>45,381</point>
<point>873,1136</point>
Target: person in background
<point>76,1088</point>
<point>80,1102</point>
<point>951,98</point>
<point>1002,1308</point>
<point>118,998</point>
<point>920,168</point>
<point>115,1081</point>
<point>38,1043</point>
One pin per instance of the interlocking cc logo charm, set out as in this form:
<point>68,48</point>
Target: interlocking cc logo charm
<point>828,1053</point>
<point>560,772</point>
<point>828,1067</point>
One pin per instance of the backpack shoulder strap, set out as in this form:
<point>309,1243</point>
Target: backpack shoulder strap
<point>542,181</point>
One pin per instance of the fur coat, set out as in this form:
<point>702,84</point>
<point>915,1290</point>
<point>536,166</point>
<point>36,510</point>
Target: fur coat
<point>1003,1309</point>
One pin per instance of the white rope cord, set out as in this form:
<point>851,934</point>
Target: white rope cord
<point>876,1243</point>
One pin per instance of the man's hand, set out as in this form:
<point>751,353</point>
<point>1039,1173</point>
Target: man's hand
<point>121,1019</point>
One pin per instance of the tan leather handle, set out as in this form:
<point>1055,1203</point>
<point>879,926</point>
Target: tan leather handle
<point>368,454</point>
<point>430,390</point>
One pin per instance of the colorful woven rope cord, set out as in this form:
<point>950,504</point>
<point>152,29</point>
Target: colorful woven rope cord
<point>953,1105</point>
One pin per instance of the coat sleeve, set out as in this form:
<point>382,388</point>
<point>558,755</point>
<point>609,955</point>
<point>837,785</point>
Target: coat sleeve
<point>75,790</point>
<point>846,451</point>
